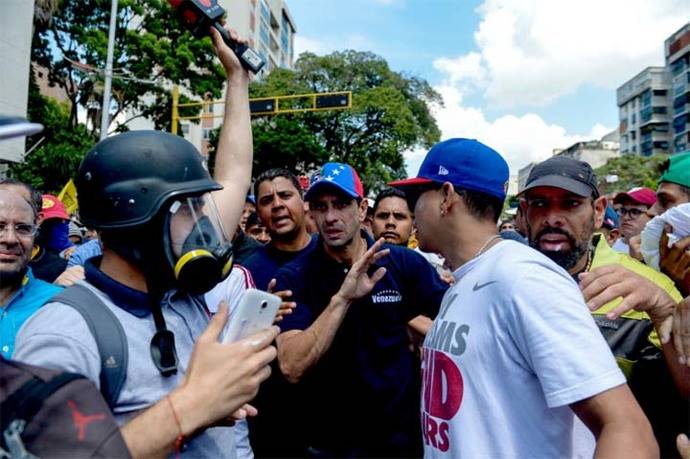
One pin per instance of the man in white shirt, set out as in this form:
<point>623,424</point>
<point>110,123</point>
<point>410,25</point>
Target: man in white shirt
<point>514,354</point>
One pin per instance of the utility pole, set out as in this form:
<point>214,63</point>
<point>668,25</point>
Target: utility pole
<point>105,109</point>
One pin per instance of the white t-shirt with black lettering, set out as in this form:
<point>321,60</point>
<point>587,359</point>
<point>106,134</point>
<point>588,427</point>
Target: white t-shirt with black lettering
<point>512,346</point>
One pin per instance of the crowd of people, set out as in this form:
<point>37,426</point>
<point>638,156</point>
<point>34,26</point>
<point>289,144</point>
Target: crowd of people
<point>418,323</point>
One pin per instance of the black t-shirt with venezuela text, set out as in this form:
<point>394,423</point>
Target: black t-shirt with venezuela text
<point>362,397</point>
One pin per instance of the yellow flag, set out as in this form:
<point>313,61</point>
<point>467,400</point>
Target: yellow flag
<point>68,196</point>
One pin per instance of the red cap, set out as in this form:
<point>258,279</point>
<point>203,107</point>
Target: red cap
<point>640,195</point>
<point>53,208</point>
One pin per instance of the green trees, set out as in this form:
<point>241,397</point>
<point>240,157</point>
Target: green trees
<point>151,53</point>
<point>390,114</point>
<point>62,145</point>
<point>632,171</point>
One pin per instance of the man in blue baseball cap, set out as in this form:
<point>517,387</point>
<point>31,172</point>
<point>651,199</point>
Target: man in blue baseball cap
<point>513,344</point>
<point>346,341</point>
<point>610,227</point>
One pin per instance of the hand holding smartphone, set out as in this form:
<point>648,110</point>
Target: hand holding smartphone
<point>257,311</point>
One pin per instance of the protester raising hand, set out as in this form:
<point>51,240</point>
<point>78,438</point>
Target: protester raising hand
<point>358,281</point>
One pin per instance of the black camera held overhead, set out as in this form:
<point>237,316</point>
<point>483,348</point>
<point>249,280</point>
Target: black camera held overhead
<point>199,15</point>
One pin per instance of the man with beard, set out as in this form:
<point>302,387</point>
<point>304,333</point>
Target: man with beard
<point>21,294</point>
<point>346,342</point>
<point>563,209</point>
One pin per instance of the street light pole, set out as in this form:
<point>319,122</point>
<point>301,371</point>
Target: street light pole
<point>105,112</point>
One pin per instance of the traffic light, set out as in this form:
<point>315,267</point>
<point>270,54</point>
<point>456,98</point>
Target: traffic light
<point>338,100</point>
<point>300,103</point>
<point>277,105</point>
<point>262,106</point>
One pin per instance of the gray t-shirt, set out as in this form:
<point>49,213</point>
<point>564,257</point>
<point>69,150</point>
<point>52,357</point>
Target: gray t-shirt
<point>58,337</point>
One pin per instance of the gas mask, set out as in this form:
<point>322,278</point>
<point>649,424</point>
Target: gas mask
<point>196,247</point>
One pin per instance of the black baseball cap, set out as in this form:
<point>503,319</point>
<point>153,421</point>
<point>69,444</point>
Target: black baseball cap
<point>566,173</point>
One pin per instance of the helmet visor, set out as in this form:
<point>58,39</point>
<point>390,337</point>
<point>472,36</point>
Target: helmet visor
<point>194,225</point>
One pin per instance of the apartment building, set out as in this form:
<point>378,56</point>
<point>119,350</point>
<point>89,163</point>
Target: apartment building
<point>643,110</point>
<point>270,28</point>
<point>677,53</point>
<point>594,152</point>
<point>654,106</point>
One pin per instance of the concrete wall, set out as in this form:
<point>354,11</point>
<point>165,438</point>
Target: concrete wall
<point>597,158</point>
<point>523,175</point>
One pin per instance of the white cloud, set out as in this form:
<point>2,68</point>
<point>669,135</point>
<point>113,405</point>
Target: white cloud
<point>519,139</point>
<point>466,71</point>
<point>532,52</point>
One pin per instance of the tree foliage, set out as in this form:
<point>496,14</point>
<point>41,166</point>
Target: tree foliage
<point>151,53</point>
<point>62,146</point>
<point>390,114</point>
<point>632,171</point>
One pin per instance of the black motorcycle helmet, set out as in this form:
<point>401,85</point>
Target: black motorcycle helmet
<point>124,180</point>
<point>127,188</point>
<point>126,183</point>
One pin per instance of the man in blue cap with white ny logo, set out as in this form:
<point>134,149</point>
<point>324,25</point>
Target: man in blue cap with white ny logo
<point>526,357</point>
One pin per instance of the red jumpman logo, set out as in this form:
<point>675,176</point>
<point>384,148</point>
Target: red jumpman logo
<point>82,420</point>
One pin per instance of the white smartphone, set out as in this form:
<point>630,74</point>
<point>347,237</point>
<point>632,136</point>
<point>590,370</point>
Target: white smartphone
<point>257,311</point>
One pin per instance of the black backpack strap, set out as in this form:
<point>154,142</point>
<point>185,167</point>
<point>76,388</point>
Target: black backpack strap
<point>108,333</point>
<point>24,403</point>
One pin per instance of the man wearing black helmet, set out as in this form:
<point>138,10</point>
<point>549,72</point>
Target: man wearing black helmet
<point>164,245</point>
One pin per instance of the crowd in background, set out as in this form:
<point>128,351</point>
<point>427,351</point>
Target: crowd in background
<point>560,330</point>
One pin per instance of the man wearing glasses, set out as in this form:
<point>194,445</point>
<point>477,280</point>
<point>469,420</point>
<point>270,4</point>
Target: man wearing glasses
<point>632,209</point>
<point>21,294</point>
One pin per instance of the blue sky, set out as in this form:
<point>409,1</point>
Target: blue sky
<point>410,37</point>
<point>523,76</point>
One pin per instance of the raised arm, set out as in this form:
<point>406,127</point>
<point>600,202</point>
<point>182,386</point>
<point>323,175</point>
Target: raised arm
<point>234,155</point>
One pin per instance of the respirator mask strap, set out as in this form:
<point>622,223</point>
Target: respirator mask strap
<point>162,345</point>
